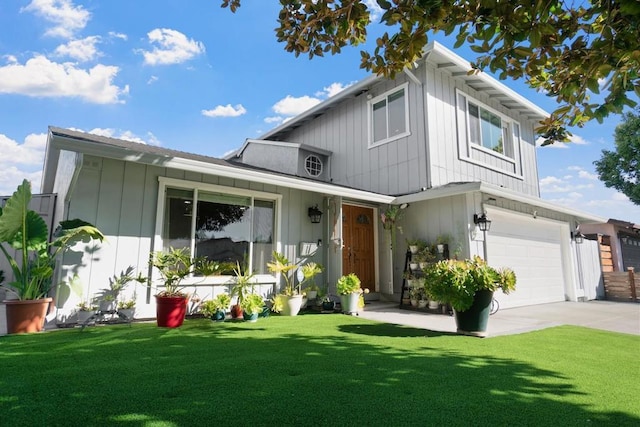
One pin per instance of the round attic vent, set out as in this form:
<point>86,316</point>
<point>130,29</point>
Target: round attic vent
<point>313,165</point>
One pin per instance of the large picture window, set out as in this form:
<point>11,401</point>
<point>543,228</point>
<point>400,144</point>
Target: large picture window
<point>388,116</point>
<point>220,226</point>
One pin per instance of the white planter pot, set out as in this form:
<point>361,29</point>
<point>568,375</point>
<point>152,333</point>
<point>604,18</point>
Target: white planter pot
<point>292,305</point>
<point>414,303</point>
<point>349,303</point>
<point>433,305</point>
<point>413,265</point>
<point>413,249</point>
<point>312,295</point>
<point>422,303</point>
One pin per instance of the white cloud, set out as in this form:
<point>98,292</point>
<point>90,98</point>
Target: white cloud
<point>67,18</point>
<point>152,80</point>
<point>273,119</point>
<point>540,140</point>
<point>115,35</point>
<point>578,140</point>
<point>374,9</point>
<point>126,135</point>
<point>81,50</point>
<point>587,175</point>
<point>39,77</point>
<point>333,89</point>
<point>172,47</point>
<point>225,111</point>
<point>291,106</point>
<point>20,161</point>
<point>553,184</point>
<point>30,152</point>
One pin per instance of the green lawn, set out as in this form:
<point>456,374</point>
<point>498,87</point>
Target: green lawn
<point>317,370</point>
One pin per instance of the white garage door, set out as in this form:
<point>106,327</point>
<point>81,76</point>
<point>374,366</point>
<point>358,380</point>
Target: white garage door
<point>533,249</point>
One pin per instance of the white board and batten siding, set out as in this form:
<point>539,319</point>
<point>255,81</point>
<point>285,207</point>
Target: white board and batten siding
<point>396,167</point>
<point>539,252</point>
<point>121,199</point>
<point>453,160</point>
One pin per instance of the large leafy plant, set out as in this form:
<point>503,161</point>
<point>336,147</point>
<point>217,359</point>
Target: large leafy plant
<point>348,284</point>
<point>26,231</point>
<point>456,282</point>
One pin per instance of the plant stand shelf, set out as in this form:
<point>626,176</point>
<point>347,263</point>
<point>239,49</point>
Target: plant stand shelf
<point>106,317</point>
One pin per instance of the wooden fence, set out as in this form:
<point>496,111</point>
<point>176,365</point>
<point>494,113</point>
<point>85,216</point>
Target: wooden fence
<point>622,286</point>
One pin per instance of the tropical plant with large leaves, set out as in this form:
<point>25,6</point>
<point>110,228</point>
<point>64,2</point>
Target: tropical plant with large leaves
<point>26,231</point>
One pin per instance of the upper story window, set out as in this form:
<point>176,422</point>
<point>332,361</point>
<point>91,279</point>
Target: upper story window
<point>486,128</point>
<point>389,116</point>
<point>218,223</point>
<point>313,165</point>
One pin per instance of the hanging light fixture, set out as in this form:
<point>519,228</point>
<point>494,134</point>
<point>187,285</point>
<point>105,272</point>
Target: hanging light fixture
<point>483,223</point>
<point>315,214</point>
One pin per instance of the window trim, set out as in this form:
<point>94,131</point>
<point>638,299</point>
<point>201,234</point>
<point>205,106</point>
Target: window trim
<point>404,87</point>
<point>164,182</point>
<point>516,142</point>
<point>320,162</point>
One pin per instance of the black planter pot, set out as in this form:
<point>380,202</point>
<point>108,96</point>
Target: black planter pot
<point>328,305</point>
<point>474,320</point>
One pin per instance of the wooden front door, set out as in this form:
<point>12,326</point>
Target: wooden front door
<point>358,251</point>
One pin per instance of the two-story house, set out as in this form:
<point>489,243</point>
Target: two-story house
<point>447,146</point>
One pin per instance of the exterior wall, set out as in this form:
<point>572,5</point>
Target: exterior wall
<point>120,198</point>
<point>446,149</point>
<point>431,155</point>
<point>394,168</point>
<point>426,220</point>
<point>273,157</point>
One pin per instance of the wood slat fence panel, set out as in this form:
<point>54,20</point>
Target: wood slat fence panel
<point>622,286</point>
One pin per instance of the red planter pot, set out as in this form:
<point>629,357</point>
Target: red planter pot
<point>170,311</point>
<point>236,311</point>
<point>26,316</point>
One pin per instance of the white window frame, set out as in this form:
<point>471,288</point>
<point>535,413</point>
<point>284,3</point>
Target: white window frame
<point>165,182</point>
<point>320,163</point>
<point>515,140</point>
<point>404,87</point>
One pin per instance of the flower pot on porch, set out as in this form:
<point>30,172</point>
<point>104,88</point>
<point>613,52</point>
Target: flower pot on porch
<point>474,320</point>
<point>349,302</point>
<point>292,305</point>
<point>26,316</point>
<point>170,311</point>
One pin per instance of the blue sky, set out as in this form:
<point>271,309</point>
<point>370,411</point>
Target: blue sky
<point>194,77</point>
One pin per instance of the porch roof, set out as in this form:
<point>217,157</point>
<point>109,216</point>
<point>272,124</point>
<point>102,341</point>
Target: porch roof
<point>493,191</point>
<point>65,139</point>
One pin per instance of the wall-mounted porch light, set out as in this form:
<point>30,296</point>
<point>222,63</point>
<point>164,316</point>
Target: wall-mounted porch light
<point>483,223</point>
<point>577,237</point>
<point>315,214</point>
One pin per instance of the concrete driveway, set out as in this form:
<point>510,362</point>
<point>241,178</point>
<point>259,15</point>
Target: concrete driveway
<point>606,315</point>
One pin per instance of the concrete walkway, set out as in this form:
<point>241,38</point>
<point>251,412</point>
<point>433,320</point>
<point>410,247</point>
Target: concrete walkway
<point>606,315</point>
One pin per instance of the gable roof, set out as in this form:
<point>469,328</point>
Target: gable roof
<point>443,59</point>
<point>100,146</point>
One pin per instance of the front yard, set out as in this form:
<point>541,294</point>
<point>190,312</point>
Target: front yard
<point>316,370</point>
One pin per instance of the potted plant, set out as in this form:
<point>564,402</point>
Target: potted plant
<point>348,287</point>
<point>216,308</point>
<point>171,302</point>
<point>127,308</point>
<point>85,311</point>
<point>309,271</point>
<point>242,287</point>
<point>468,286</point>
<point>442,244</point>
<point>291,296</point>
<point>252,306</point>
<point>25,230</point>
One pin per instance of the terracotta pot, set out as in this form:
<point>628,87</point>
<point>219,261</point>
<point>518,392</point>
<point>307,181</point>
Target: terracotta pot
<point>170,311</point>
<point>236,311</point>
<point>26,316</point>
